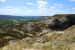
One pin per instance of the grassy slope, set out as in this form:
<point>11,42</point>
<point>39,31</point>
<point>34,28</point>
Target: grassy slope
<point>58,41</point>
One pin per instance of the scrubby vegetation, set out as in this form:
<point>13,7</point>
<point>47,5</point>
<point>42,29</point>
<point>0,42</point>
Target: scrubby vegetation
<point>51,33</point>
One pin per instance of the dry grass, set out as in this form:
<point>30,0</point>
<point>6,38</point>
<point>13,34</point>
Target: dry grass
<point>57,41</point>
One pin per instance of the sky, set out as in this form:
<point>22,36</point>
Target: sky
<point>36,7</point>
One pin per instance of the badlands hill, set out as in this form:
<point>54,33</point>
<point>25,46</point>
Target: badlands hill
<point>61,21</point>
<point>53,33</point>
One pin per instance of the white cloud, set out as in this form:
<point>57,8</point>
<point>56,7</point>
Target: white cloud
<point>59,5</point>
<point>29,3</point>
<point>9,10</point>
<point>42,7</point>
<point>52,7</point>
<point>9,7</point>
<point>72,0</point>
<point>44,10</point>
<point>41,4</point>
<point>73,8</point>
<point>57,10</point>
<point>2,0</point>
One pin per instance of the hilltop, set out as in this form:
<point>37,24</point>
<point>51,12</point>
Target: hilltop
<point>17,17</point>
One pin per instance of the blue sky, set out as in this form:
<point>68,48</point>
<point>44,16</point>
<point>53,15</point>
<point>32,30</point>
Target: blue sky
<point>37,7</point>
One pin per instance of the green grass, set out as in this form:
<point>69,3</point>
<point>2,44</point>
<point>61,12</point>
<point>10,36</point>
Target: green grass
<point>5,21</point>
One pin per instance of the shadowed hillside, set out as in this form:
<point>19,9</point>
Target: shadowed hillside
<point>62,21</point>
